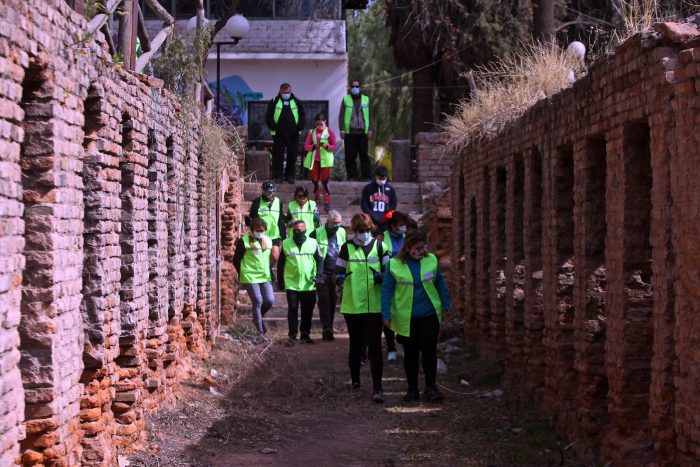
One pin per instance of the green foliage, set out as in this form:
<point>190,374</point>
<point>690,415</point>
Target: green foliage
<point>181,64</point>
<point>371,61</point>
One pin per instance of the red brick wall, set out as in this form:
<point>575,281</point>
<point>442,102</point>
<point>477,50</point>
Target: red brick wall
<point>107,243</point>
<point>580,244</point>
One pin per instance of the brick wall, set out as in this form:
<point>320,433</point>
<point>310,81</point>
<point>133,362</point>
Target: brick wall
<point>580,244</point>
<point>107,243</point>
<point>432,164</point>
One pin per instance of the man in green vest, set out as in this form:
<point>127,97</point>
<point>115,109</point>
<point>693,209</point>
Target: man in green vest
<point>330,238</point>
<point>285,118</point>
<point>269,207</point>
<point>356,130</point>
<point>299,269</point>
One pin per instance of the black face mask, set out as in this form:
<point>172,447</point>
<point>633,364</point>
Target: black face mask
<point>331,230</point>
<point>299,237</point>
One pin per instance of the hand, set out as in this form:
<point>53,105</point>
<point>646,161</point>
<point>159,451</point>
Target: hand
<point>387,323</point>
<point>320,280</point>
<point>339,280</point>
<point>342,135</point>
<point>280,286</point>
<point>325,146</point>
<point>369,135</point>
<point>378,278</point>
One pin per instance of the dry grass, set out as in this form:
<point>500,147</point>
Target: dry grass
<point>221,146</point>
<point>506,89</point>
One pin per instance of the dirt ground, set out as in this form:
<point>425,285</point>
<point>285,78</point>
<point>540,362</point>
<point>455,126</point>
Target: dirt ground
<point>269,404</point>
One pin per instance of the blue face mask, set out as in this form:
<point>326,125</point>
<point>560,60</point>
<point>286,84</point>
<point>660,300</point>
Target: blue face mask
<point>355,90</point>
<point>286,96</point>
<point>402,230</point>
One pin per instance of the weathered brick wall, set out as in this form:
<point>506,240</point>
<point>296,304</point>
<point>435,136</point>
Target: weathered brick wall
<point>107,243</point>
<point>432,164</point>
<point>580,241</point>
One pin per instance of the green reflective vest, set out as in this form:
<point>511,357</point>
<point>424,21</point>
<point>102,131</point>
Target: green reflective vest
<point>360,293</point>
<point>302,213</point>
<point>300,265</point>
<point>402,301</point>
<point>278,111</point>
<point>322,239</point>
<point>364,104</point>
<point>326,155</point>
<point>270,213</point>
<point>255,265</point>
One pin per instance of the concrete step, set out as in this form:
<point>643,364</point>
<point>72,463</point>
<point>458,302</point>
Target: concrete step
<point>252,190</point>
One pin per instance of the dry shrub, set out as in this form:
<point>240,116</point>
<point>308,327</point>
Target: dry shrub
<point>506,89</point>
<point>221,146</point>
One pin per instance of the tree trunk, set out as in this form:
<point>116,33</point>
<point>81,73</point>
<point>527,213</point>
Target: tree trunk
<point>543,21</point>
<point>422,118</point>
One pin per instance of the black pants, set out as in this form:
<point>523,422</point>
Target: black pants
<point>327,299</point>
<point>389,337</point>
<point>280,143</point>
<point>356,144</point>
<point>365,328</point>
<point>308,302</point>
<point>423,340</point>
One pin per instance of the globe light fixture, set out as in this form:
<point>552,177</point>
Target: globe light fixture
<point>576,49</point>
<point>237,27</point>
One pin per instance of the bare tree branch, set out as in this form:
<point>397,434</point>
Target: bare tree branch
<point>230,11</point>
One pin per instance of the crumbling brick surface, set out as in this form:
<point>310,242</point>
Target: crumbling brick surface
<point>108,245</point>
<point>600,274</point>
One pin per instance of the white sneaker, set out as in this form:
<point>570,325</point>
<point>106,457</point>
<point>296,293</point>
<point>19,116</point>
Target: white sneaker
<point>391,356</point>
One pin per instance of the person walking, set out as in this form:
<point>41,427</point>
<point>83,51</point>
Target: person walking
<point>393,240</point>
<point>301,208</point>
<point>356,130</point>
<point>379,197</point>
<point>285,118</point>
<point>359,270</point>
<point>330,239</point>
<point>414,296</point>
<point>252,262</point>
<point>319,147</point>
<point>299,269</point>
<point>268,207</point>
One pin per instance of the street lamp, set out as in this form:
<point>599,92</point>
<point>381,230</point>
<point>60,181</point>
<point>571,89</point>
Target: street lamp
<point>237,27</point>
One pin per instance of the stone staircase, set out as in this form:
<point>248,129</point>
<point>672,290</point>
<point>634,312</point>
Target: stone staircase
<point>345,197</point>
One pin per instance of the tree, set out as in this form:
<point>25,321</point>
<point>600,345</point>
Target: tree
<point>372,62</point>
<point>543,20</point>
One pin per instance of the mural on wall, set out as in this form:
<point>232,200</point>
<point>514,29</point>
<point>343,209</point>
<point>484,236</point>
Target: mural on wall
<point>235,93</point>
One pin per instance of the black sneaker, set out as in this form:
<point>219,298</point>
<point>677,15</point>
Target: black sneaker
<point>328,336</point>
<point>432,394</point>
<point>378,396</point>
<point>292,341</point>
<point>306,340</point>
<point>411,395</point>
<point>356,389</point>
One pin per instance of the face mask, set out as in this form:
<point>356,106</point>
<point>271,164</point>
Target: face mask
<point>299,237</point>
<point>320,125</point>
<point>286,96</point>
<point>268,196</point>
<point>418,253</point>
<point>381,182</point>
<point>355,90</point>
<point>364,237</point>
<point>332,228</point>
<point>402,230</point>
<point>258,235</point>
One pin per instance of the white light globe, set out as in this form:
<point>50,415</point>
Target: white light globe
<point>237,27</point>
<point>576,49</point>
<point>191,25</point>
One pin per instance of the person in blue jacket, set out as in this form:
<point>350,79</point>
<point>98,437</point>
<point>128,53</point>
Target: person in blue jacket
<point>414,295</point>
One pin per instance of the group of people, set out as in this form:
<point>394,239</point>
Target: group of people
<point>381,271</point>
<point>285,119</point>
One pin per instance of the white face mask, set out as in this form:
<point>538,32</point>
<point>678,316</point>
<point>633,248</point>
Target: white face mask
<point>381,182</point>
<point>258,235</point>
<point>286,95</point>
<point>402,230</point>
<point>364,237</point>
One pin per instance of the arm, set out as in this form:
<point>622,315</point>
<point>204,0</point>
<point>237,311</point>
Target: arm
<point>392,200</point>
<point>309,144</point>
<point>342,260</point>
<point>319,264</point>
<point>238,255</point>
<point>270,114</point>
<point>442,290</point>
<point>370,127</point>
<point>280,270</point>
<point>388,286</point>
<point>302,115</point>
<point>282,223</point>
<point>254,207</point>
<point>317,217</point>
<point>332,142</point>
<point>366,208</point>
<point>341,117</point>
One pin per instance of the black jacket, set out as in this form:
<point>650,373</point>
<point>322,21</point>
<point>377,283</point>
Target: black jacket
<point>285,125</point>
<point>378,200</point>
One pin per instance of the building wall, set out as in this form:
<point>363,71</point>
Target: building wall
<point>106,252</point>
<point>579,236</point>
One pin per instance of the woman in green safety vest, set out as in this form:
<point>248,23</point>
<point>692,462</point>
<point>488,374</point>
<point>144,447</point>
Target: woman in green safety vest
<point>359,270</point>
<point>302,209</point>
<point>414,296</point>
<point>319,147</point>
<point>269,208</point>
<point>252,261</point>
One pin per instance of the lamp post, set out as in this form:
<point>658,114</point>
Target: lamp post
<point>237,27</point>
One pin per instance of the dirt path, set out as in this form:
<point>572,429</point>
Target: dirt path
<point>292,407</point>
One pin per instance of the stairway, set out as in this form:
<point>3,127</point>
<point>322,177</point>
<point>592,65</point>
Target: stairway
<point>345,198</point>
